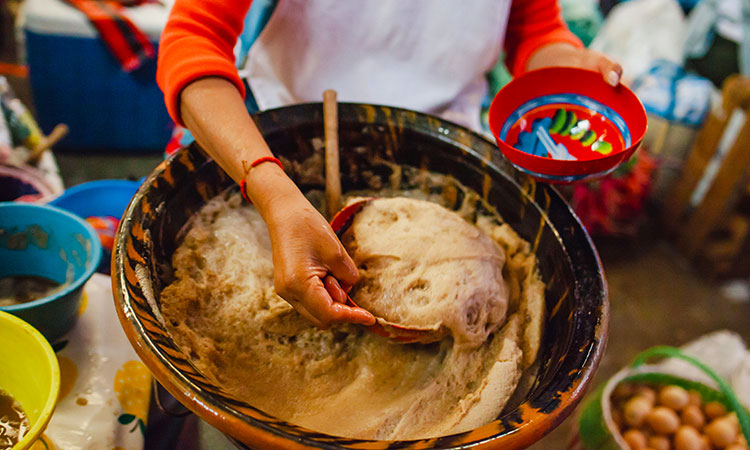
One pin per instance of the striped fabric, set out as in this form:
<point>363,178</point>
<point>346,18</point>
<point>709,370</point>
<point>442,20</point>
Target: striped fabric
<point>128,44</point>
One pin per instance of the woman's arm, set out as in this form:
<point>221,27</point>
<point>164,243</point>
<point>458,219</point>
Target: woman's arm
<point>204,92</point>
<point>538,37</point>
<point>306,252</point>
<point>198,41</point>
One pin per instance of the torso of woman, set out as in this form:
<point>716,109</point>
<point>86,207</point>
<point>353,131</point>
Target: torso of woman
<point>420,54</point>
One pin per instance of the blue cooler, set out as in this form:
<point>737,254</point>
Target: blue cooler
<point>77,81</point>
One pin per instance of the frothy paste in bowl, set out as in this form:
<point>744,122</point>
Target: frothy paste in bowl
<point>222,312</point>
<point>423,266</point>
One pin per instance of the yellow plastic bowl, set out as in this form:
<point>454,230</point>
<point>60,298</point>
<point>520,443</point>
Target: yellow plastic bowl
<point>30,373</point>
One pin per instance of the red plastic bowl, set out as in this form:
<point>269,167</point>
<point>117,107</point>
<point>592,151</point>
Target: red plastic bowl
<point>588,88</point>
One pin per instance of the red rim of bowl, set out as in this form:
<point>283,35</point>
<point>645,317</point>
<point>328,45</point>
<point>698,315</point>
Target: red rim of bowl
<point>569,80</point>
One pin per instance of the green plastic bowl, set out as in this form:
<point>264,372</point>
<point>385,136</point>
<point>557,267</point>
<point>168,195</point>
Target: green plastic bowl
<point>45,241</point>
<point>30,373</point>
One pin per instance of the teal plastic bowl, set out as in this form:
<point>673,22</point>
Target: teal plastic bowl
<point>48,242</point>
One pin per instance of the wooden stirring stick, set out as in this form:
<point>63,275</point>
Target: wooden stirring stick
<point>331,129</point>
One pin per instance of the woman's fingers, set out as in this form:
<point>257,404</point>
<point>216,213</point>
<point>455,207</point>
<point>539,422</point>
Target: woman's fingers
<point>341,265</point>
<point>339,295</point>
<point>355,315</point>
<point>564,54</point>
<point>318,302</point>
<point>312,270</point>
<point>611,70</point>
<point>334,289</point>
<point>593,60</point>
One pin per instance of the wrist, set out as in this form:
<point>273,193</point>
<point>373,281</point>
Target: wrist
<point>247,167</point>
<point>268,186</point>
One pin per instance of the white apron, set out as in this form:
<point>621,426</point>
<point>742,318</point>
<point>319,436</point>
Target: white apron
<point>425,55</point>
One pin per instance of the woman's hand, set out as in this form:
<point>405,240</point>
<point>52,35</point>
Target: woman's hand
<point>310,263</point>
<point>564,54</point>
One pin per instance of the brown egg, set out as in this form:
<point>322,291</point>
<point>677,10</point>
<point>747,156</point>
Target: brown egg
<point>732,418</point>
<point>674,397</point>
<point>623,391</point>
<point>659,443</point>
<point>721,432</point>
<point>694,398</point>
<point>687,438</point>
<point>714,410</point>
<point>693,416</point>
<point>635,439</point>
<point>646,392</point>
<point>636,410</point>
<point>741,441</point>
<point>663,420</point>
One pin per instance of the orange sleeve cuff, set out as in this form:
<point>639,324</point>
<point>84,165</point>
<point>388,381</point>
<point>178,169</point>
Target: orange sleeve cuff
<point>197,42</point>
<point>533,24</point>
<point>186,64</point>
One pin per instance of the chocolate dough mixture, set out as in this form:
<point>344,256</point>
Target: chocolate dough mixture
<point>479,280</point>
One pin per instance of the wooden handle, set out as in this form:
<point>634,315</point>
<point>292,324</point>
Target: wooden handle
<point>331,129</point>
<point>48,141</point>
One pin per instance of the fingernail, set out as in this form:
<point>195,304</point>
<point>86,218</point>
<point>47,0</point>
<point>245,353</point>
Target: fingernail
<point>369,319</point>
<point>363,316</point>
<point>613,78</point>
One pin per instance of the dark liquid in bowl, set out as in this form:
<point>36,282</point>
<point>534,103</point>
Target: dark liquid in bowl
<point>25,288</point>
<point>13,422</point>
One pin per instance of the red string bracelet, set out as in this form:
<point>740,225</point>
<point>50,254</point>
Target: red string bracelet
<point>243,184</point>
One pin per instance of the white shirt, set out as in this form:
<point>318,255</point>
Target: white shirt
<point>425,55</point>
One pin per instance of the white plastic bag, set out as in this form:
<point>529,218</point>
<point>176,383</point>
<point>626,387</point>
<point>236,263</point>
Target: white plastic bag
<point>638,32</point>
<point>668,91</point>
<point>723,351</point>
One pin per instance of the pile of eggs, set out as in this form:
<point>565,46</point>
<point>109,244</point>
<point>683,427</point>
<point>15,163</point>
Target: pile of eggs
<point>672,418</point>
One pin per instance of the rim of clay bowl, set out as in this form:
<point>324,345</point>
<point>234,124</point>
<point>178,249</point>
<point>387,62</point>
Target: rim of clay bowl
<point>514,429</point>
<point>92,262</point>
<point>49,406</point>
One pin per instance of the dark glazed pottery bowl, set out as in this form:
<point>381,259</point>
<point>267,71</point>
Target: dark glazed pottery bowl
<point>576,295</point>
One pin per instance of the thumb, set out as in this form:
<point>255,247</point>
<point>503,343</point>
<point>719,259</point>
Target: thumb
<point>611,71</point>
<point>344,270</point>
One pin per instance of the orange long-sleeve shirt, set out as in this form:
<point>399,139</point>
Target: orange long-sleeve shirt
<point>200,35</point>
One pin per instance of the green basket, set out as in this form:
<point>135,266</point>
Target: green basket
<point>597,430</point>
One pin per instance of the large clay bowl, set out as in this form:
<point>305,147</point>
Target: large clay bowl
<point>576,295</point>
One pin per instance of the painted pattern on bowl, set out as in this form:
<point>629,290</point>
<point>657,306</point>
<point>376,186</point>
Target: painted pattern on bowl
<point>567,127</point>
